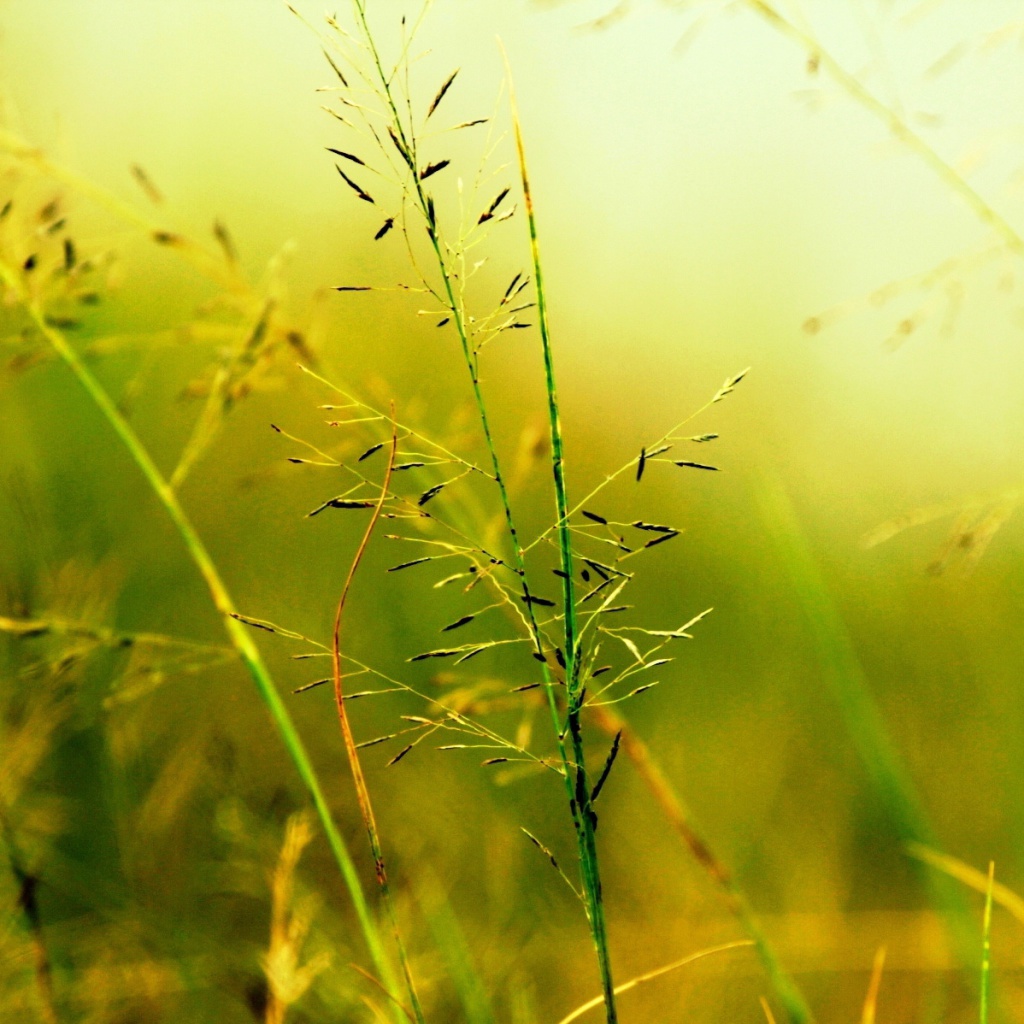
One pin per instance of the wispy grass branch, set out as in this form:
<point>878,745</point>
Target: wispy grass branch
<point>659,972</point>
<point>915,142</point>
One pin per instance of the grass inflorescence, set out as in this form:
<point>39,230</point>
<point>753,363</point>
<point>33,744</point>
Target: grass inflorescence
<point>385,136</point>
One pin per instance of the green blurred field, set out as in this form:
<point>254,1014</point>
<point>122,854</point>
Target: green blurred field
<point>701,194</point>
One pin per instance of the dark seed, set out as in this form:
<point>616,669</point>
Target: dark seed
<point>441,92</point>
<point>347,156</point>
<point>433,169</point>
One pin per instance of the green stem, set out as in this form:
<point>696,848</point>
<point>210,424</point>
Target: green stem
<point>843,676</point>
<point>237,633</point>
<point>583,813</point>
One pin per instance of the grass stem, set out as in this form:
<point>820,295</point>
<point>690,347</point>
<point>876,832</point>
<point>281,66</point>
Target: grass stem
<point>583,814</point>
<point>896,124</point>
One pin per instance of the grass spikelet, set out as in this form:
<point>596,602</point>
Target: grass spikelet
<point>436,101</point>
<point>346,156</point>
<point>365,196</point>
<point>431,169</point>
<point>145,182</point>
<point>607,769</point>
<point>288,978</point>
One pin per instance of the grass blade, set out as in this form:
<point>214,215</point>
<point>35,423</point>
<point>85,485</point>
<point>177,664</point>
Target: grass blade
<point>236,631</point>
<point>869,1012</point>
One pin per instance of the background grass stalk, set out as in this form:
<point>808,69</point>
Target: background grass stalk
<point>359,779</point>
<point>843,674</point>
<point>583,813</point>
<point>651,975</point>
<point>451,942</point>
<point>237,633</point>
<point>896,124</point>
<point>198,257</point>
<point>986,948</point>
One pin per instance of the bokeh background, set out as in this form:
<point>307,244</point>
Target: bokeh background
<point>705,187</point>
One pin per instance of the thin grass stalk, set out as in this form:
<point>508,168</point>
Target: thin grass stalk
<point>986,949</point>
<point>869,1012</point>
<point>971,877</point>
<point>584,816</point>
<point>237,633</point>
<point>651,975</point>
<point>459,321</point>
<point>408,141</point>
<point>359,779</point>
<point>450,941</point>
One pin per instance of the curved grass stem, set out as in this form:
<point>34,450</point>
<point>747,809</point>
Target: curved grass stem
<point>351,749</point>
<point>675,813</point>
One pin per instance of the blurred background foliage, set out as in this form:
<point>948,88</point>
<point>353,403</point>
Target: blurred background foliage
<point>711,197</point>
